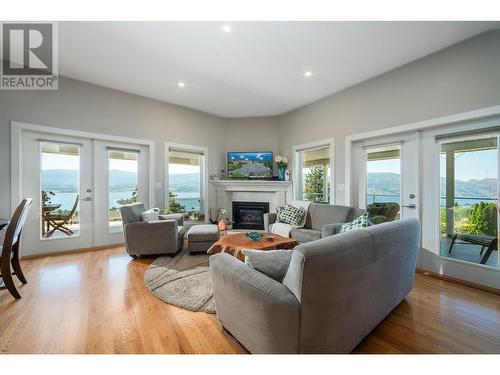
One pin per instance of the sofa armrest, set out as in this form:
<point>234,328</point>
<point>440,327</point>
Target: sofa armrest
<point>177,217</point>
<point>269,218</point>
<point>152,237</point>
<point>261,313</point>
<point>330,229</point>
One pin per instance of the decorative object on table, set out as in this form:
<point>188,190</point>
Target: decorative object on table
<point>282,163</point>
<point>183,280</point>
<point>222,225</point>
<point>254,236</point>
<point>10,248</point>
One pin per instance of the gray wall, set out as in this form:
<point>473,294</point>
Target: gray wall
<point>253,134</point>
<point>86,107</point>
<point>463,77</point>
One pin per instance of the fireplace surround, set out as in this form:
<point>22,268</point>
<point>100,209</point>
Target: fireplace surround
<point>249,215</point>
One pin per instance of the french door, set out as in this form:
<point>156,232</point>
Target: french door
<point>387,177</point>
<point>78,185</point>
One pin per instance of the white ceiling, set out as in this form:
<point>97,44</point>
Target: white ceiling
<point>256,69</point>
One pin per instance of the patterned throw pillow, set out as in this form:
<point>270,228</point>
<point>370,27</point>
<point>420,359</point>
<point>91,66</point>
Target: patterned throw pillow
<point>360,222</point>
<point>291,215</point>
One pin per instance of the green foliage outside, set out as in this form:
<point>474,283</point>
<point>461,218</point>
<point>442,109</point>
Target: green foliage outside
<point>174,207</point>
<point>132,199</point>
<point>316,185</point>
<point>481,218</point>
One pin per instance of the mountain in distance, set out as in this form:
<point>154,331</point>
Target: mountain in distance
<point>380,183</point>
<point>67,180</point>
<point>185,183</point>
<point>388,184</point>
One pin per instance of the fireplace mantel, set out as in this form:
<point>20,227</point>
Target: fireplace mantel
<point>251,185</point>
<point>276,193</point>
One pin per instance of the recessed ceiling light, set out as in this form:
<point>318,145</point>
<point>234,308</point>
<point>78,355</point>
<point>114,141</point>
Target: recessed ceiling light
<point>308,74</point>
<point>181,84</point>
<point>226,28</point>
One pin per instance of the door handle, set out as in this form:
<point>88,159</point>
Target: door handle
<point>410,206</point>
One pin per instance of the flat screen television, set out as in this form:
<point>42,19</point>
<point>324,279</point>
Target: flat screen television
<point>250,164</point>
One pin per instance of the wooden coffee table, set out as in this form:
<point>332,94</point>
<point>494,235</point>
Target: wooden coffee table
<point>233,243</point>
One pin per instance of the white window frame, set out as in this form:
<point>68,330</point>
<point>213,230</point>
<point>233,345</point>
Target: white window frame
<point>204,175</point>
<point>481,133</point>
<point>297,149</point>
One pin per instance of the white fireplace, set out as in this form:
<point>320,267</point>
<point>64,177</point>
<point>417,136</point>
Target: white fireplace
<point>276,193</point>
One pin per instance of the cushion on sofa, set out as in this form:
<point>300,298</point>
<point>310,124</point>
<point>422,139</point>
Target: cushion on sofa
<point>305,235</point>
<point>360,222</point>
<point>151,215</point>
<point>321,214</point>
<point>200,233</point>
<point>291,215</point>
<point>272,263</point>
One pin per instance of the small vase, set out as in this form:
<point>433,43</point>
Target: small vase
<point>281,174</point>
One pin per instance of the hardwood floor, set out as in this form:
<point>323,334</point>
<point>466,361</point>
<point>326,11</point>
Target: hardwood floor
<point>96,302</point>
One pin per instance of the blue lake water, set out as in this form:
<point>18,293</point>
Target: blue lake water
<point>68,199</point>
<point>459,201</point>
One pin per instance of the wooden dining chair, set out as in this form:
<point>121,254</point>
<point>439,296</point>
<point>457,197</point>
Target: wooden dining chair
<point>59,221</point>
<point>10,249</point>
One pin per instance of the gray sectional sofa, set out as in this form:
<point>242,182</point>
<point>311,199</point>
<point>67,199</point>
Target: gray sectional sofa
<point>334,292</point>
<point>318,216</point>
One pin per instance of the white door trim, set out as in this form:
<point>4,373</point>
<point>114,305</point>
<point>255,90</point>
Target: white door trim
<point>477,114</point>
<point>15,164</point>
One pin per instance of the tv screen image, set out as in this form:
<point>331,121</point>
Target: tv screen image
<point>249,164</point>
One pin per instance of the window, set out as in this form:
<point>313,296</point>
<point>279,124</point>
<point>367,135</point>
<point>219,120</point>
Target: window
<point>468,200</point>
<point>60,190</point>
<point>122,184</point>
<point>314,174</point>
<point>186,183</point>
<point>383,184</point>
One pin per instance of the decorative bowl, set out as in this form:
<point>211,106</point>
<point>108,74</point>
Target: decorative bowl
<point>254,236</point>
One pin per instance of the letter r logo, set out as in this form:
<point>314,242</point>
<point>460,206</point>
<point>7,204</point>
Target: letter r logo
<point>27,49</point>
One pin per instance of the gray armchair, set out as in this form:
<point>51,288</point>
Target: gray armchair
<point>154,237</point>
<point>334,292</point>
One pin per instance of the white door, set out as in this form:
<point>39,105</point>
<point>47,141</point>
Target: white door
<point>78,186</point>
<point>56,171</point>
<point>121,175</point>
<point>386,174</point>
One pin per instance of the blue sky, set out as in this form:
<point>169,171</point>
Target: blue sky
<point>62,161</point>
<point>473,165</point>
<point>468,165</point>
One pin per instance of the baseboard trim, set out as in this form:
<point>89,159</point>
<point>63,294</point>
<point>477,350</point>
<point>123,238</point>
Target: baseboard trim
<point>72,251</point>
<point>458,281</point>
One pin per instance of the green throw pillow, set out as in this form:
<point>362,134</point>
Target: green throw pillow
<point>291,215</point>
<point>360,222</point>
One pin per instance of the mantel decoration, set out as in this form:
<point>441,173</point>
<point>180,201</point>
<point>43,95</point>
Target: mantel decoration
<point>282,163</point>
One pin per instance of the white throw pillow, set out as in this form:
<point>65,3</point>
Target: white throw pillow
<point>151,215</point>
<point>272,263</point>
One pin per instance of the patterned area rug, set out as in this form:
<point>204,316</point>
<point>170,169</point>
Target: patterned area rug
<point>183,280</point>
